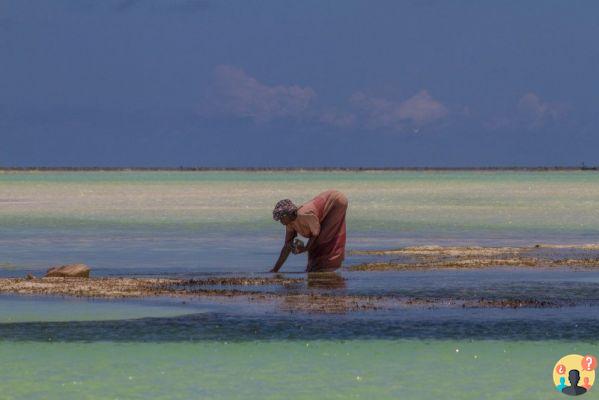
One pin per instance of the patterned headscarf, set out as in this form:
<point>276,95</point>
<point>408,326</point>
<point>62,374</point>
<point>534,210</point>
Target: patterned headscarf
<point>283,208</point>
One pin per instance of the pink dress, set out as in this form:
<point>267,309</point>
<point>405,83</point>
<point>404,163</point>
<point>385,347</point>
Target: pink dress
<point>323,218</point>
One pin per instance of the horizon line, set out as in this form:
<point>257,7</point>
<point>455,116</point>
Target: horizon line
<point>282,169</point>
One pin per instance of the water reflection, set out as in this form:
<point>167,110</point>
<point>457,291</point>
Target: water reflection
<point>326,280</point>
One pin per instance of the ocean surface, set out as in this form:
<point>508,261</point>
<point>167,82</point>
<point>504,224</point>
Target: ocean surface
<point>219,223</point>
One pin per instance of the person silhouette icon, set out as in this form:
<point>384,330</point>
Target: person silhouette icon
<point>574,389</point>
<point>562,384</point>
<point>586,383</point>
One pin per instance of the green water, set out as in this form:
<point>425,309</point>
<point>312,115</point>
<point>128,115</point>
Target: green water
<point>198,223</point>
<point>163,222</point>
<point>390,201</point>
<point>402,369</point>
<point>24,309</point>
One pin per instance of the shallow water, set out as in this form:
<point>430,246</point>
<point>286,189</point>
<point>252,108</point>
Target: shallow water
<point>372,369</point>
<point>26,310</point>
<point>158,222</point>
<point>198,224</point>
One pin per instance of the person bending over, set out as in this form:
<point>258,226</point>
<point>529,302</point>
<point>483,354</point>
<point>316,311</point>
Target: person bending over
<point>320,220</point>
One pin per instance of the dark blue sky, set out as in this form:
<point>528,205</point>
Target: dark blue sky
<point>298,83</point>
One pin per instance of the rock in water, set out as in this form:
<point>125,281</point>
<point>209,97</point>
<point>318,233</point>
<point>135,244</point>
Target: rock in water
<point>69,271</point>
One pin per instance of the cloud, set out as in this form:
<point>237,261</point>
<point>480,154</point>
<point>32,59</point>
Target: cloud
<point>234,93</point>
<point>531,112</point>
<point>337,119</point>
<point>537,112</point>
<point>422,109</point>
<point>417,111</point>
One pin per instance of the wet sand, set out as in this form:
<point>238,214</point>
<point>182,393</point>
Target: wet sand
<point>426,257</point>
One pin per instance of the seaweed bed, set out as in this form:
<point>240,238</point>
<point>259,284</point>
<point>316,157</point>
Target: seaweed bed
<point>120,287</point>
<point>324,292</point>
<point>423,257</point>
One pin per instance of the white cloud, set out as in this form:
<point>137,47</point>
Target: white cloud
<point>338,119</point>
<point>417,111</point>
<point>422,109</point>
<point>235,93</point>
<point>537,112</point>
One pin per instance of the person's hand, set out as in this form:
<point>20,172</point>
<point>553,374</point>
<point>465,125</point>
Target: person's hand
<point>299,248</point>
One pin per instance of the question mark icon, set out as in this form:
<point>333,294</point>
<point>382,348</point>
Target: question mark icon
<point>589,362</point>
<point>560,369</point>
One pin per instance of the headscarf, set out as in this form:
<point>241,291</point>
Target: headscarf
<point>283,208</point>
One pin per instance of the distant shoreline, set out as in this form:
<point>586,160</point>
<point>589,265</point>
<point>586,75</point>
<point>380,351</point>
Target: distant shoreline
<point>292,169</point>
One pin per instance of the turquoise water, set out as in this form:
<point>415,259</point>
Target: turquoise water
<point>377,369</point>
<point>160,222</point>
<point>205,223</point>
<point>16,309</point>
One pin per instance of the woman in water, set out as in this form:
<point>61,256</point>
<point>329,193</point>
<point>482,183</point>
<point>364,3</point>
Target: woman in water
<point>322,222</point>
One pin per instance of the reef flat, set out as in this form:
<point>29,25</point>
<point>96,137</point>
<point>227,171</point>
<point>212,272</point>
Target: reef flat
<point>328,292</point>
<point>285,294</point>
<point>423,257</point>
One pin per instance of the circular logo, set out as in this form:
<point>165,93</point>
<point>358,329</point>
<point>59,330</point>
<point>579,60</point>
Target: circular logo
<point>574,374</point>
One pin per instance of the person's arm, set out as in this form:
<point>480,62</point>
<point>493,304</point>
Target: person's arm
<point>289,236</point>
<point>309,245</point>
<point>282,258</point>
